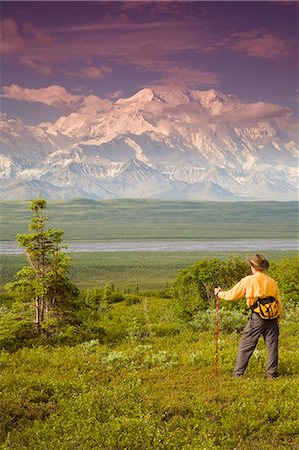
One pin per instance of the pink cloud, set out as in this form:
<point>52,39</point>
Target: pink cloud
<point>258,44</point>
<point>242,114</point>
<point>148,53</point>
<point>290,126</point>
<point>173,9</point>
<point>56,96</point>
<point>148,44</point>
<point>116,39</point>
<point>41,36</point>
<point>92,104</point>
<point>43,69</point>
<point>11,41</point>
<point>15,39</point>
<point>178,75</point>
<point>283,3</point>
<point>91,72</point>
<point>115,95</point>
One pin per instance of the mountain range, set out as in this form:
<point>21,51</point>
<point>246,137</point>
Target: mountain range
<point>159,143</point>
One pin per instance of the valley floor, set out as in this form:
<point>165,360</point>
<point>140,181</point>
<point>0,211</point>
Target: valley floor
<point>148,270</point>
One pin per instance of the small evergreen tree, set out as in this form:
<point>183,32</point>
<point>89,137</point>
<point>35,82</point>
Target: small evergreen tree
<point>44,281</point>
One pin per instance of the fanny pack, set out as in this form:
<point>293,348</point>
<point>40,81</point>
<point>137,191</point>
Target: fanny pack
<point>266,308</point>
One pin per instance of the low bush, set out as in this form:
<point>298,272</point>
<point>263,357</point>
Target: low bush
<point>166,292</point>
<point>133,299</point>
<point>7,299</point>
<point>229,320</point>
<point>116,297</point>
<point>166,329</point>
<point>16,326</point>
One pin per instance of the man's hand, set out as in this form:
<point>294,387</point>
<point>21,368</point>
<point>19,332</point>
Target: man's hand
<point>217,290</point>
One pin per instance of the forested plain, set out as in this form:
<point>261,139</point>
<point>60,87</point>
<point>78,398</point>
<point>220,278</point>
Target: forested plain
<point>133,370</point>
<point>89,220</point>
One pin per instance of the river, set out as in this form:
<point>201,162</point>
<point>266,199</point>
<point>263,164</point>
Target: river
<point>11,248</point>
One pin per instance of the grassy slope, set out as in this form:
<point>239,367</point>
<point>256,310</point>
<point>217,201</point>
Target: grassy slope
<point>153,391</point>
<point>152,219</point>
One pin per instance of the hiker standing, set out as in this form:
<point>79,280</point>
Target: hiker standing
<point>262,296</point>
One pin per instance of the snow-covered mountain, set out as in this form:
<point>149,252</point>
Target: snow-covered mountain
<point>170,144</point>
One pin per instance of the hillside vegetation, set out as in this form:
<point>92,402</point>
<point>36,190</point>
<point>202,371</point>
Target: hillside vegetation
<point>132,373</point>
<point>149,383</point>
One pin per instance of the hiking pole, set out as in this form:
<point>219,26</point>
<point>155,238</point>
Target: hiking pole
<point>216,369</point>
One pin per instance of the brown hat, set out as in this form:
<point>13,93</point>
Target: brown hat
<point>259,262</point>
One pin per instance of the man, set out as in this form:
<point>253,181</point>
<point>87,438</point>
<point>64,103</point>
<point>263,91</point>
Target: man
<point>255,287</point>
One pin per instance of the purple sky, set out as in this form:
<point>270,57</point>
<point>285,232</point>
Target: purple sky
<point>55,55</point>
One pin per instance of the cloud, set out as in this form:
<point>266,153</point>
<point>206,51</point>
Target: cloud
<point>91,72</point>
<point>56,96</point>
<point>148,53</point>
<point>172,9</point>
<point>258,44</point>
<point>83,118</point>
<point>287,3</point>
<point>161,43</point>
<point>115,95</point>
<point>178,75</point>
<point>41,36</point>
<point>43,69</point>
<point>219,108</point>
<point>247,114</point>
<point>15,39</point>
<point>289,125</point>
<point>116,37</point>
<point>92,104</point>
<point>11,41</point>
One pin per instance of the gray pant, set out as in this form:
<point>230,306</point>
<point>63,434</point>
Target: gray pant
<point>255,327</point>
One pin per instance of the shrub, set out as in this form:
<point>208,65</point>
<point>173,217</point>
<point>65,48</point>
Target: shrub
<point>133,299</point>
<point>194,286</point>
<point>166,329</point>
<point>145,293</point>
<point>110,295</point>
<point>164,293</point>
<point>91,299</point>
<point>90,346</point>
<point>292,315</point>
<point>7,299</point>
<point>229,321</point>
<point>286,272</point>
<point>16,326</point>
<point>90,307</point>
<point>116,297</point>
<point>3,310</point>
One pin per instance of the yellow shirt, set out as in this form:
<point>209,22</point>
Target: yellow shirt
<point>253,286</point>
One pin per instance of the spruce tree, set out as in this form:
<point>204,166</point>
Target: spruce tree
<point>44,281</point>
